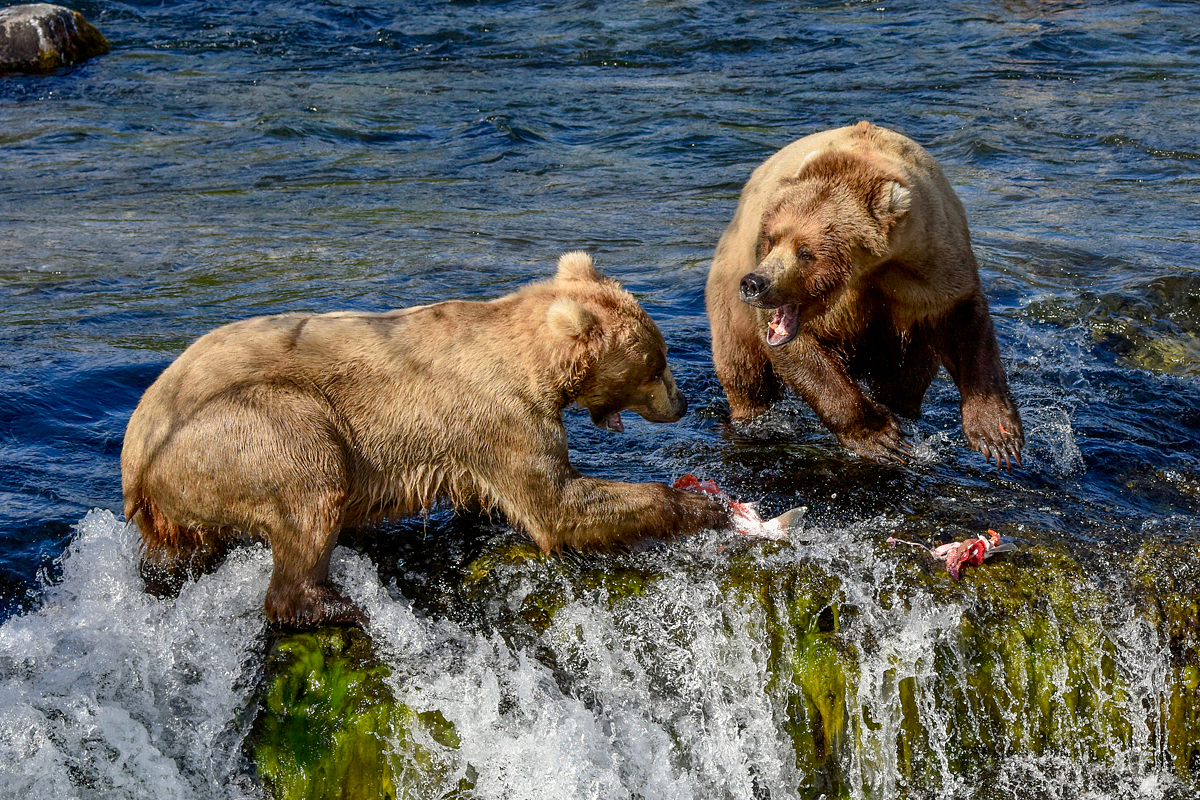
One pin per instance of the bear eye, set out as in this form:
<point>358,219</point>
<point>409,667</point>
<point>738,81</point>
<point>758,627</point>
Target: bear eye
<point>768,244</point>
<point>804,254</point>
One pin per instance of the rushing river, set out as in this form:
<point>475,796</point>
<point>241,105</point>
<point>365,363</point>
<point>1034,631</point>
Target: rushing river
<point>233,159</point>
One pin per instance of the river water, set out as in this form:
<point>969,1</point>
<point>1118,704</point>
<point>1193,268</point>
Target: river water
<point>227,160</point>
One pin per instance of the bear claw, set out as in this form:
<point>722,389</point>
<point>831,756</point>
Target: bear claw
<point>1008,450</point>
<point>311,608</point>
<point>886,446</point>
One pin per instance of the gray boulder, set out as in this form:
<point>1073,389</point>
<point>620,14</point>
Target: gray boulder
<point>40,38</point>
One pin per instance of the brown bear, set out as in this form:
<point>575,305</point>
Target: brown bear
<point>289,428</point>
<point>849,259</point>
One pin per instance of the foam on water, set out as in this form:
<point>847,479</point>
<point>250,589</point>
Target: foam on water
<point>673,706</point>
<point>111,692</point>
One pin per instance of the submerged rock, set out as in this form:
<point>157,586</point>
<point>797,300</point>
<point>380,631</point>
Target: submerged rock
<point>40,38</point>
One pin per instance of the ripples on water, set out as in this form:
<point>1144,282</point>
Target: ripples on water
<point>223,162</point>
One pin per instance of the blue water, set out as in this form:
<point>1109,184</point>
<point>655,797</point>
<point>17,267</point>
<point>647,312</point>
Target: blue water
<point>227,160</point>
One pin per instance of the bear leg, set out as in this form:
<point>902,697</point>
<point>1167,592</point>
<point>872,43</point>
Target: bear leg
<point>971,355</point>
<point>591,514</point>
<point>743,365</point>
<point>861,425</point>
<point>300,604</point>
<point>901,370</point>
<point>164,576</point>
<point>300,594</point>
<point>171,554</point>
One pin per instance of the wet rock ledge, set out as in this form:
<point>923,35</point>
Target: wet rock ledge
<point>1029,659</point>
<point>41,38</point>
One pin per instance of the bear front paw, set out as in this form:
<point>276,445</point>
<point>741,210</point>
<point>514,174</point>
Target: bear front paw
<point>993,427</point>
<point>700,512</point>
<point>882,442</point>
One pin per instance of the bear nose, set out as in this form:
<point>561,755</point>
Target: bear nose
<point>681,405</point>
<point>753,285</point>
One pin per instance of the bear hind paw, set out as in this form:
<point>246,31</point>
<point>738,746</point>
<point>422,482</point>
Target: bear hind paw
<point>303,607</point>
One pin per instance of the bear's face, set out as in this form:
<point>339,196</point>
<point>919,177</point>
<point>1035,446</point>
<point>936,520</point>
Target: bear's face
<point>613,353</point>
<point>816,237</point>
<point>632,374</point>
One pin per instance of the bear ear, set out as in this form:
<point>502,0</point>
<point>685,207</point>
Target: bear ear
<point>808,159</point>
<point>576,266</point>
<point>569,318</point>
<point>893,201</point>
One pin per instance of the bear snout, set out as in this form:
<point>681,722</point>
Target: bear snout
<point>755,289</point>
<point>679,406</point>
<point>670,408</point>
<point>676,401</point>
<point>659,401</point>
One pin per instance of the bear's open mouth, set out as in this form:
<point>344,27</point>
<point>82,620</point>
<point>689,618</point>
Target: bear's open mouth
<point>784,326</point>
<point>613,422</point>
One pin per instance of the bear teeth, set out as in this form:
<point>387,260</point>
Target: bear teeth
<point>613,422</point>
<point>783,328</point>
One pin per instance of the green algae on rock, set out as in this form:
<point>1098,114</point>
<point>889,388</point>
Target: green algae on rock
<point>1030,669</point>
<point>1167,591</point>
<point>1027,663</point>
<point>877,676</point>
<point>328,726</point>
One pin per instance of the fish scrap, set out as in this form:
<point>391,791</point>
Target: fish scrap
<point>968,553</point>
<point>745,518</point>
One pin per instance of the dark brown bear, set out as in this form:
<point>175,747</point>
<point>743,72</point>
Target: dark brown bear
<point>849,260</point>
<point>290,428</point>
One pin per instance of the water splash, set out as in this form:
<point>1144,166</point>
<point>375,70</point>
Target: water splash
<point>720,667</point>
<point>1052,445</point>
<point>111,692</point>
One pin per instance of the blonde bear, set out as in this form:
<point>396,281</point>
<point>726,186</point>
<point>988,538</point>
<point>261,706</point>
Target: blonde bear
<point>289,428</point>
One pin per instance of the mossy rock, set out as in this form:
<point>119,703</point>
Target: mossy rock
<point>328,726</point>
<point>1023,661</point>
<point>520,588</point>
<point>1166,580</point>
<point>798,601</point>
<point>1029,668</point>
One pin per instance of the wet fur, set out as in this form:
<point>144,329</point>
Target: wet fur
<point>289,428</point>
<point>890,294</point>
